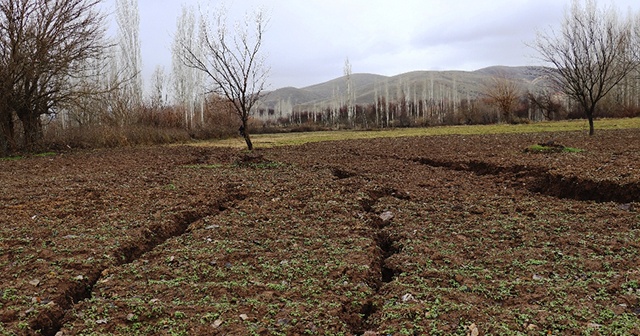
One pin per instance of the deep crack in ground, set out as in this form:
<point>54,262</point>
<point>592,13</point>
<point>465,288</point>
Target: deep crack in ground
<point>50,321</point>
<point>540,180</point>
<point>386,247</point>
<point>323,244</point>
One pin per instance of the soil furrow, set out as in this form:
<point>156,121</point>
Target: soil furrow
<point>540,180</point>
<point>50,321</point>
<point>386,247</point>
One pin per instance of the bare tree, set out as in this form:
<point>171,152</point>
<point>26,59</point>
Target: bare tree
<point>350,93</point>
<point>129,57</point>
<point>94,93</point>
<point>504,94</point>
<point>232,60</point>
<point>544,102</point>
<point>158,87</point>
<point>43,44</point>
<point>185,78</point>
<point>593,52</point>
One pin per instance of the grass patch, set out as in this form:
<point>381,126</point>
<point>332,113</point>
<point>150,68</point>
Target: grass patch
<point>20,157</point>
<point>289,139</point>
<point>45,154</point>
<point>11,158</point>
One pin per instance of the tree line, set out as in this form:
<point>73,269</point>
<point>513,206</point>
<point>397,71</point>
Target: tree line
<point>64,82</point>
<point>498,99</point>
<point>593,71</point>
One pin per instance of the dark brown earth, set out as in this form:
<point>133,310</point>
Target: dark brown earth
<point>459,235</point>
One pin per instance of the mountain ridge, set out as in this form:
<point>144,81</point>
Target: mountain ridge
<point>419,83</point>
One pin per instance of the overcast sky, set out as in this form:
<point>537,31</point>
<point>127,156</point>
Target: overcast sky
<point>307,41</point>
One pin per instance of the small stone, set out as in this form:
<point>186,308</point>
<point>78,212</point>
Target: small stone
<point>282,321</point>
<point>216,323</point>
<point>131,317</point>
<point>244,317</point>
<point>407,297</point>
<point>473,330</point>
<point>105,280</point>
<point>34,282</point>
<point>79,277</point>
<point>59,333</point>
<point>30,310</point>
<point>386,216</point>
<point>625,206</point>
<point>152,301</point>
<point>101,321</point>
<point>537,277</point>
<point>594,325</point>
<point>531,326</point>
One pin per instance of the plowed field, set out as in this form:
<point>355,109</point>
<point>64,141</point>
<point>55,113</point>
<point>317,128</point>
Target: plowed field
<point>441,235</point>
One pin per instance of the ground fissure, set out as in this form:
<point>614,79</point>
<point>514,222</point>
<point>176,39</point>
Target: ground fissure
<point>352,238</point>
<point>540,180</point>
<point>386,247</point>
<point>49,322</point>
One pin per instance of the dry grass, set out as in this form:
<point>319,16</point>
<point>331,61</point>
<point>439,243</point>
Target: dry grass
<point>287,139</point>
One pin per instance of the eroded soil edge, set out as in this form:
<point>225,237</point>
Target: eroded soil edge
<point>542,181</point>
<point>50,321</point>
<point>387,245</point>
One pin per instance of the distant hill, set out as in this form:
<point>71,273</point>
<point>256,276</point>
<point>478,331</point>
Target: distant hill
<point>418,84</point>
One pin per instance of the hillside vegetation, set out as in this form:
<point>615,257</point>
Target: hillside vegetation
<point>468,84</point>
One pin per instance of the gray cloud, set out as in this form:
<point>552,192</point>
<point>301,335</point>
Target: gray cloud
<point>308,41</point>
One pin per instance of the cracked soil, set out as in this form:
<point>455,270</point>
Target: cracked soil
<point>408,236</point>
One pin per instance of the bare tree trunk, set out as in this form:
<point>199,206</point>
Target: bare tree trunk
<point>244,131</point>
<point>7,129</point>
<point>32,126</point>
<point>589,112</point>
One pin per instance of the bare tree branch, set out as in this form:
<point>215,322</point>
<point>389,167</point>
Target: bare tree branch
<point>233,62</point>
<point>504,94</point>
<point>43,44</point>
<point>593,52</point>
